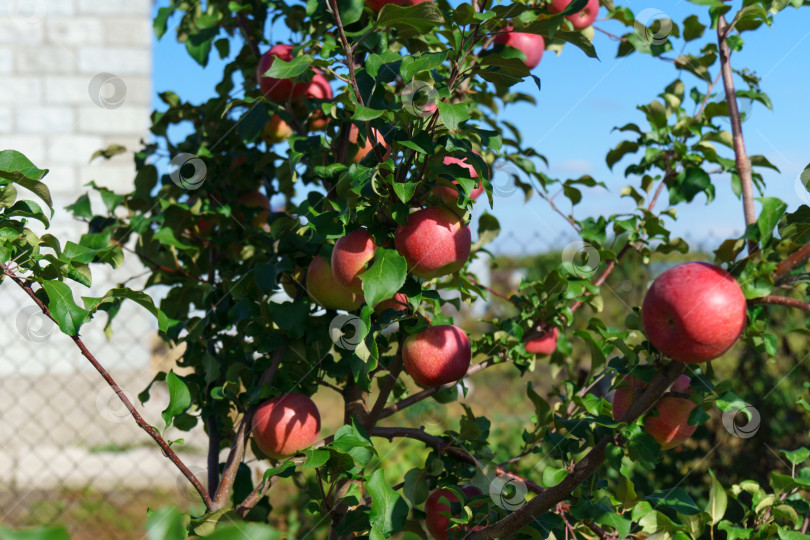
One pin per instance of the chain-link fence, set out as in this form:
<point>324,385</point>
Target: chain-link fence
<point>69,451</point>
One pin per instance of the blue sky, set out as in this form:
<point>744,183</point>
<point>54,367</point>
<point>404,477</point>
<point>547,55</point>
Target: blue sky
<point>582,99</point>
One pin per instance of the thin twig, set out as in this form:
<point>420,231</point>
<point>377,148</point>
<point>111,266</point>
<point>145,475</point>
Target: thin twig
<point>152,432</point>
<point>797,258</point>
<point>782,301</point>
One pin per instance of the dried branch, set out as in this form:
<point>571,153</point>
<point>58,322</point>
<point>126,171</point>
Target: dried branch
<point>152,432</point>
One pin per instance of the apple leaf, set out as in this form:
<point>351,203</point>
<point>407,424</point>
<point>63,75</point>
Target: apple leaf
<point>63,308</point>
<point>179,398</point>
<point>718,500</point>
<point>676,498</point>
<point>411,65</point>
<point>488,229</point>
<point>389,510</point>
<point>452,115</point>
<point>689,183</point>
<point>385,277</point>
<point>422,17</point>
<point>16,167</point>
<point>288,70</point>
<point>772,210</point>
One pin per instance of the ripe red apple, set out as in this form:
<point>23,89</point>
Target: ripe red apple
<point>438,512</point>
<point>531,45</point>
<point>317,88</point>
<point>327,292</point>
<point>260,203</point>
<point>354,135</point>
<point>437,355</point>
<point>435,242</point>
<point>545,344</point>
<point>449,193</point>
<point>377,5</point>
<point>278,90</point>
<point>349,258</point>
<point>398,303</point>
<point>581,19</point>
<point>286,425</point>
<point>276,130</point>
<point>671,425</point>
<point>694,312</point>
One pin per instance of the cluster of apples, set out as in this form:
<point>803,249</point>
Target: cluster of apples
<point>693,312</point>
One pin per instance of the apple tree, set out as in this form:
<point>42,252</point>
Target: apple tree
<point>311,228</point>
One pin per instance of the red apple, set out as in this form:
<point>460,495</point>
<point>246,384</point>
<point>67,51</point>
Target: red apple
<point>545,344</point>
<point>438,512</point>
<point>260,204</point>
<point>349,258</point>
<point>286,425</point>
<point>327,292</point>
<point>694,312</point>
<point>669,424</point>
<point>531,45</point>
<point>354,135</point>
<point>278,90</point>
<point>437,355</point>
<point>449,193</point>
<point>276,130</point>
<point>581,19</point>
<point>398,303</point>
<point>317,88</point>
<point>377,5</point>
<point>435,242</point>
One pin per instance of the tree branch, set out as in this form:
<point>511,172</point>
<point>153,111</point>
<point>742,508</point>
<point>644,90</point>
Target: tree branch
<point>385,390</point>
<point>797,258</point>
<point>545,501</point>
<point>424,394</point>
<point>741,158</point>
<point>782,301</point>
<point>241,437</point>
<point>152,432</point>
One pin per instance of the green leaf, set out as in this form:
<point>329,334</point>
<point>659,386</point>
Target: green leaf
<point>411,65</point>
<point>350,11</point>
<point>692,28</point>
<point>389,510</point>
<point>316,457</point>
<point>623,148</point>
<point>245,531</point>
<point>690,182</point>
<point>81,208</point>
<point>732,532</point>
<point>452,115</point>
<point>797,456</point>
<point>718,500</point>
<point>542,410</point>
<point>416,486</point>
<point>62,307</point>
<point>488,229</point>
<point>364,114</point>
<point>405,190</point>
<point>166,524</point>
<point>44,533</point>
<point>385,277</point>
<point>677,499</point>
<point>421,18</point>
<point>179,398</point>
<point>772,210</point>
<point>143,299</point>
<point>553,476</point>
<point>288,70</point>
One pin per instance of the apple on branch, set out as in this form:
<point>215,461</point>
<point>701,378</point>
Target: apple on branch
<point>694,312</point>
<point>449,193</point>
<point>327,292</point>
<point>435,242</point>
<point>368,144</point>
<point>581,19</point>
<point>438,511</point>
<point>285,425</point>
<point>531,45</point>
<point>437,355</point>
<point>668,424</point>
<point>350,256</point>
<point>545,344</point>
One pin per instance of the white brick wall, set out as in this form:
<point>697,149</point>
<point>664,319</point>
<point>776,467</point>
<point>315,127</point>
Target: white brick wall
<point>6,120</point>
<point>128,31</point>
<point>6,60</point>
<point>42,61</point>
<point>31,145</point>
<point>45,120</point>
<point>116,7</point>
<point>66,31</point>
<point>20,31</point>
<point>73,149</point>
<point>117,60</point>
<point>17,91</point>
<point>123,121</point>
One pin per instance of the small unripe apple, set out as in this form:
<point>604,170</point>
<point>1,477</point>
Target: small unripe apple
<point>377,5</point>
<point>545,344</point>
<point>669,423</point>
<point>437,355</point>
<point>398,303</point>
<point>694,312</point>
<point>276,130</point>
<point>349,258</point>
<point>437,511</point>
<point>286,425</point>
<point>260,203</point>
<point>530,45</point>
<point>581,19</point>
<point>435,242</point>
<point>354,135</point>
<point>327,292</point>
